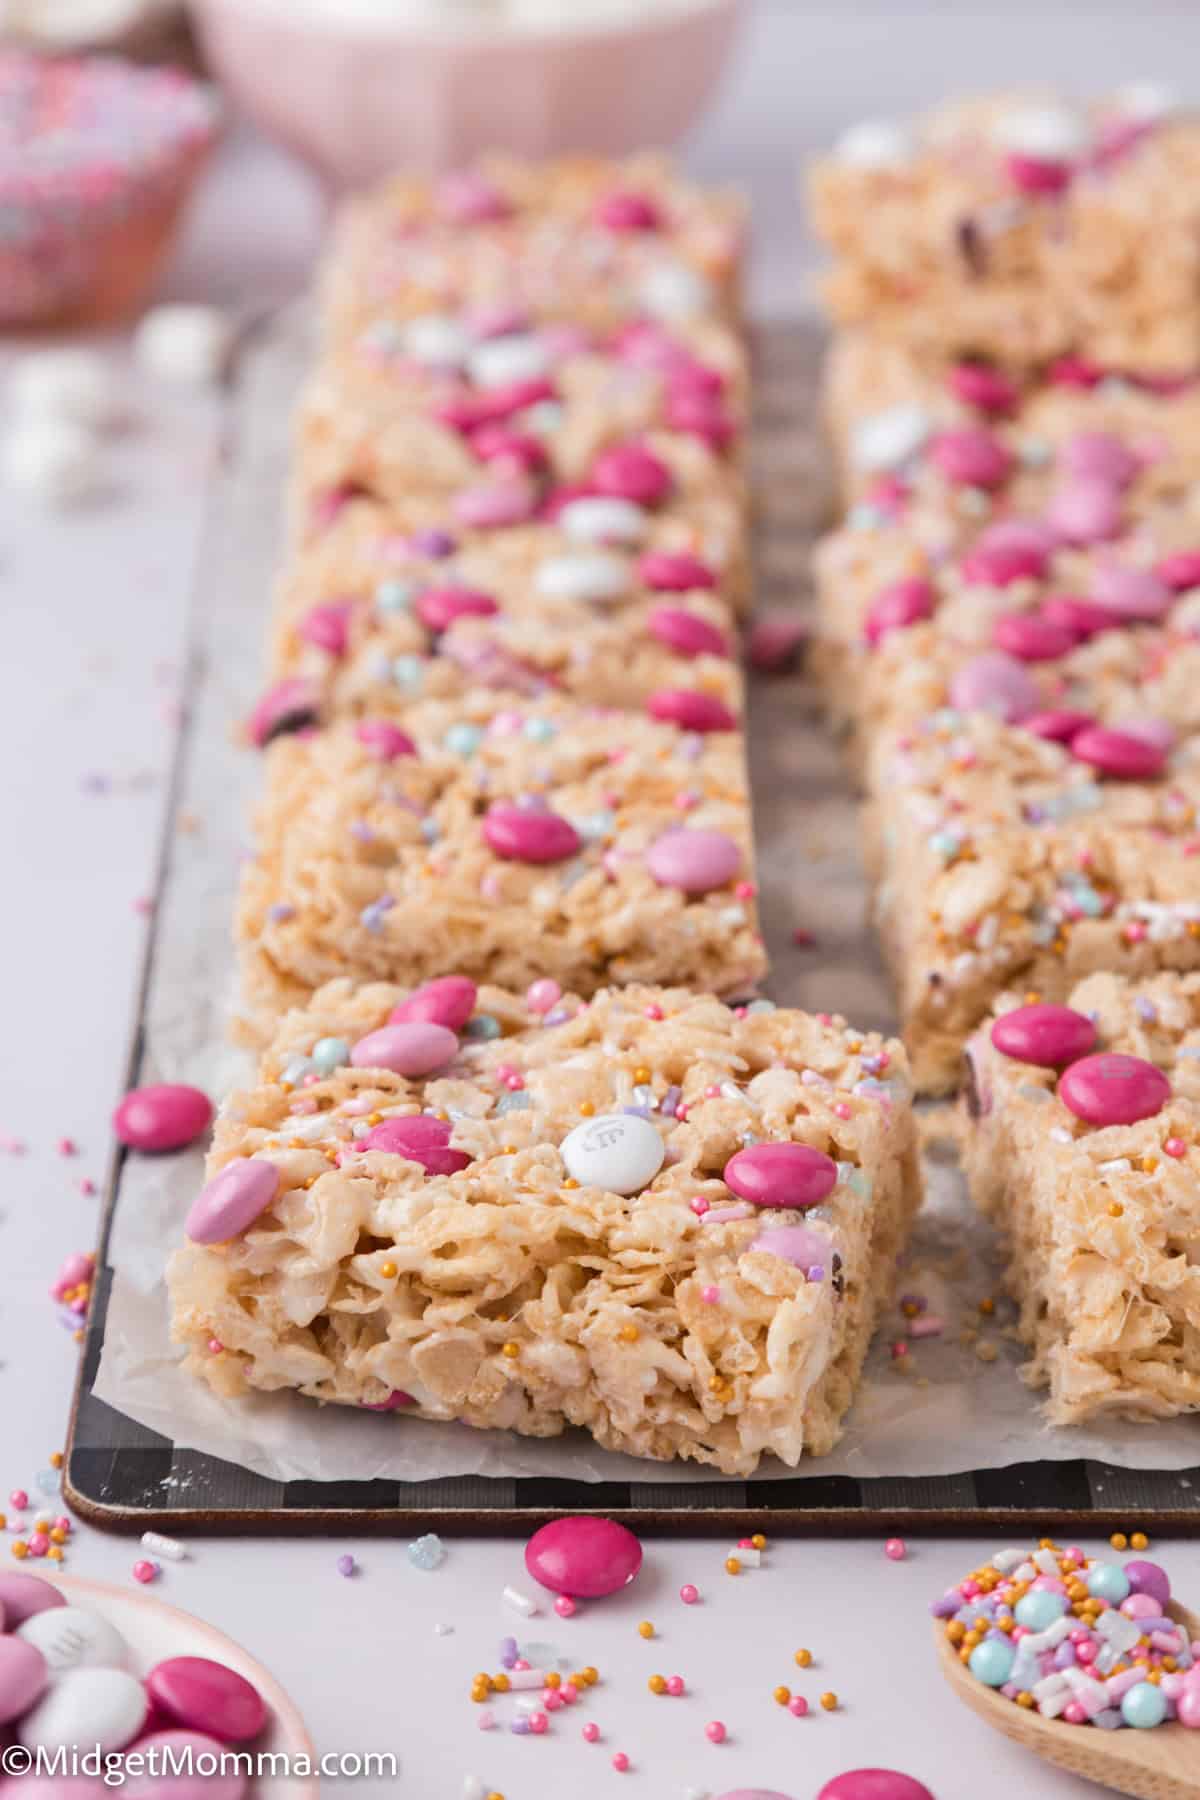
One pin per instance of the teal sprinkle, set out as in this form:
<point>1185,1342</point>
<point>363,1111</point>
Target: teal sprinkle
<point>539,731</point>
<point>394,596</point>
<point>513,1102</point>
<point>408,672</point>
<point>1072,801</point>
<point>1113,387</point>
<point>431,831</point>
<point>947,718</point>
<point>852,1177</point>
<point>47,1481</point>
<point>463,739</point>
<point>865,517</point>
<point>330,1053</point>
<point>762,1006</point>
<point>595,825</point>
<point>297,1069</point>
<point>945,843</point>
<point>1038,1095</point>
<point>1035,453</point>
<point>1088,901</point>
<point>975,502</point>
<point>483,1026</point>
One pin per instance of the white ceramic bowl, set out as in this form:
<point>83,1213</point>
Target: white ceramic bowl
<point>358,102</point>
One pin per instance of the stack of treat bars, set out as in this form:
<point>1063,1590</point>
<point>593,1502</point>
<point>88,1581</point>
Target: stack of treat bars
<point>526,1148</point>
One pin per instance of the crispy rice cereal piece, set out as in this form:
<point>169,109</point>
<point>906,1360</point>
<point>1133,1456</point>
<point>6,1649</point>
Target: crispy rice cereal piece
<point>533,236</point>
<point>383,869</point>
<point>378,662</point>
<point>1020,228</point>
<point>1001,859</point>
<point>507,1296</point>
<point>1103,1222</point>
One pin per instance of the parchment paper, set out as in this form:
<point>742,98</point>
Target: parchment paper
<point>960,1405</point>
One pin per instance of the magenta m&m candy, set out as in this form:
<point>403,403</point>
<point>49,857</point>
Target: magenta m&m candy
<point>162,1116</point>
<point>327,627</point>
<point>235,1197</point>
<point>972,457</point>
<point>691,710</point>
<point>1124,755</point>
<point>418,1138</point>
<point>585,1558</point>
<point>874,1784</point>
<point>1031,637</point>
<point>897,606</point>
<point>631,472</point>
<point>384,740</point>
<point>417,1047</point>
<point>783,1175</point>
<point>1050,1036</point>
<point>439,607</point>
<point>203,1695</point>
<point>1057,725</point>
<point>984,388</point>
<point>529,834</point>
<point>686,632</point>
<point>674,572</point>
<point>1085,511</point>
<point>1110,1089</point>
<point>290,705</point>
<point>1129,593</point>
<point>447,1000</point>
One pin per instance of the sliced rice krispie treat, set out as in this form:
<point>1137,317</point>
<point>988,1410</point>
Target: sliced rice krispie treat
<point>1023,228</point>
<point>1083,1142</point>
<point>668,1221</point>
<point>593,242</point>
<point>508,840</point>
<point>1004,858</point>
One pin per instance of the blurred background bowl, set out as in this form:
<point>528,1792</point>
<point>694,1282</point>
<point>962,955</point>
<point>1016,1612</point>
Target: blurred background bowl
<point>359,102</point>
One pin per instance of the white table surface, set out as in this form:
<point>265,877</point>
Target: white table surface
<point>91,606</point>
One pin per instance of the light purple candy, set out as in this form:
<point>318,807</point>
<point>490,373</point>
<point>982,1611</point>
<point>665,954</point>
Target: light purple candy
<point>692,860</point>
<point>232,1200</point>
<point>23,1677</point>
<point>1149,1578</point>
<point>583,1557</point>
<point>785,1175</point>
<point>448,1000</point>
<point>1085,511</point>
<point>994,683</point>
<point>416,1048</point>
<point>1130,593</point>
<point>23,1595</point>
<point>795,1244</point>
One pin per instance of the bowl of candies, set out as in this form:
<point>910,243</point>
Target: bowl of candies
<point>97,158</point>
<point>360,88</point>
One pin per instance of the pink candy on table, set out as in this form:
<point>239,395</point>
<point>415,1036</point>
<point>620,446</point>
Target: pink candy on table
<point>1110,1089</point>
<point>1130,593</point>
<point>1050,1036</point>
<point>1085,511</point>
<point>674,572</point>
<point>384,740</point>
<point>418,1138</point>
<point>231,1202</point>
<point>686,632</point>
<point>529,834</point>
<point>204,1695</point>
<point>1031,638</point>
<point>874,1784</point>
<point>995,683</point>
<point>327,627</point>
<point>694,861</point>
<point>897,606</point>
<point>972,457</point>
<point>1124,755</point>
<point>447,1000</point>
<point>584,1557</point>
<point>690,709</point>
<point>415,1047</point>
<point>785,1175</point>
<point>631,472</point>
<point>162,1116</point>
<point>986,389</point>
<point>222,1784</point>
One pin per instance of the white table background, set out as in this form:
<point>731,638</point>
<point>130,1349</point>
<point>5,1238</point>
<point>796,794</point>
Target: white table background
<point>91,620</point>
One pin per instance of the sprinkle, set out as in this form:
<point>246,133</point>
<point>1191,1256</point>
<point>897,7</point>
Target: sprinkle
<point>675,1685</point>
<point>146,1571</point>
<point>895,1549</point>
<point>346,1565</point>
<point>689,1594</point>
<point>645,1629</point>
<point>565,1607</point>
<point>797,1706</point>
<point>169,1547</point>
<point>591,1732</point>
<point>620,1762</point>
<point>715,1732</point>
<point>829,1702</point>
<point>519,1602</point>
<point>803,1659</point>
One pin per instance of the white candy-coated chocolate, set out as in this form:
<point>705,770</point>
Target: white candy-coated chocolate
<point>73,384</point>
<point>617,1151</point>
<point>187,344</point>
<point>52,460</point>
<point>520,357</point>
<point>91,1708</point>
<point>886,440</point>
<point>586,576</point>
<point>1048,133</point>
<point>604,521</point>
<point>1148,100</point>
<point>673,290</point>
<point>436,339</point>
<point>70,1637</point>
<point>875,144</point>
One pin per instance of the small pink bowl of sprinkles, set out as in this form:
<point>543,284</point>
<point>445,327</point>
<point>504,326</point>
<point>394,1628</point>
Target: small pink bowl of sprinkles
<point>97,158</point>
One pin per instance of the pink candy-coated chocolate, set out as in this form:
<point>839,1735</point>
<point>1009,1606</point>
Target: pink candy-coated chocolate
<point>439,607</point>
<point>897,606</point>
<point>1130,593</point>
<point>986,389</point>
<point>686,632</point>
<point>795,1244</point>
<point>1159,733</point>
<point>495,443</point>
<point>1149,1578</point>
<point>204,1695</point>
<point>692,710</point>
<point>1187,1707</point>
<point>874,1784</point>
<point>586,1558</point>
<point>328,627</point>
<point>1121,754</point>
<point>1180,570</point>
<point>1012,550</point>
<point>1057,726</point>
<point>674,572</point>
<point>994,683</point>
<point>1085,511</point>
<point>1076,372</point>
<point>625,210</point>
<point>417,1047</point>
<point>775,640</point>
<point>631,472</point>
<point>512,503</point>
<point>420,1139</point>
<point>1110,1089</point>
<point>448,1000</point>
<point>785,1175</point>
<point>543,995</point>
<point>287,706</point>
<point>529,835</point>
<point>1099,456</point>
<point>163,1116</point>
<point>1031,637</point>
<point>21,1596</point>
<point>1050,1036</point>
<point>701,415</point>
<point>227,1784</point>
<point>468,198</point>
<point>230,1203</point>
<point>384,740</point>
<point>1082,617</point>
<point>696,862</point>
<point>1035,175</point>
<point>23,1677</point>
<point>972,457</point>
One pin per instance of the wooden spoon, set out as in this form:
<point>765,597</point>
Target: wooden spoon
<point>1162,1764</point>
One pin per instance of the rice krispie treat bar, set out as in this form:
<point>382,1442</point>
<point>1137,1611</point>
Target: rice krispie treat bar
<point>664,1220</point>
<point>595,242</point>
<point>1084,1145</point>
<point>1022,228</point>
<point>1005,858</point>
<point>510,841</point>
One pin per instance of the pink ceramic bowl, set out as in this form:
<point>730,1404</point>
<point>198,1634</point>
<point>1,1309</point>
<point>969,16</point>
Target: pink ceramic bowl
<point>358,103</point>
